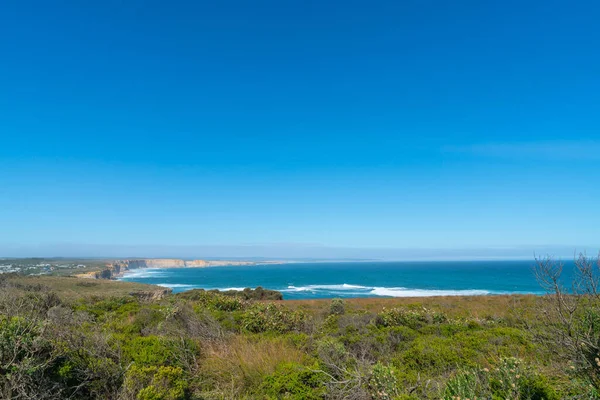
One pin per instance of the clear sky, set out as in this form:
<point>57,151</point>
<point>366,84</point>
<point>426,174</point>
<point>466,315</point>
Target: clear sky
<point>276,128</point>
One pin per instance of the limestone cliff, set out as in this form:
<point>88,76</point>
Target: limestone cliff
<point>118,267</point>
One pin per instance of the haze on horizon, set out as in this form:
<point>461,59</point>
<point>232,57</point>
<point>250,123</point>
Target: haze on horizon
<point>395,130</point>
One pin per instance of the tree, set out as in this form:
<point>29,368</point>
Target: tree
<point>572,312</point>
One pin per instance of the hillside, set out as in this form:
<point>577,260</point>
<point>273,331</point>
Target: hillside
<point>67,337</point>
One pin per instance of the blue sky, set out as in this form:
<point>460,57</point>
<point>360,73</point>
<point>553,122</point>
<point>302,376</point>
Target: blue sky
<point>299,128</point>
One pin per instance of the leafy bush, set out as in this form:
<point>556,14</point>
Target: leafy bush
<point>337,307</point>
<point>413,318</point>
<point>293,381</point>
<point>214,297</point>
<point>271,318</point>
<point>511,379</point>
<point>155,383</point>
<point>383,384</point>
<point>255,294</point>
<point>431,354</point>
<point>150,350</point>
<point>25,359</point>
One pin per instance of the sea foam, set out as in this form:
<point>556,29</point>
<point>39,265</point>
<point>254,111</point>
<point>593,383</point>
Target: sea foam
<point>349,289</point>
<point>405,292</point>
<point>177,285</point>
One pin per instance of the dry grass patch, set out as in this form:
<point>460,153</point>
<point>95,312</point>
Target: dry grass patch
<point>243,362</point>
<point>70,288</point>
<point>452,306</point>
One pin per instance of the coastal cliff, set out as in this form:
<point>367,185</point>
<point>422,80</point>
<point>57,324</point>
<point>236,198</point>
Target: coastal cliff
<point>118,267</point>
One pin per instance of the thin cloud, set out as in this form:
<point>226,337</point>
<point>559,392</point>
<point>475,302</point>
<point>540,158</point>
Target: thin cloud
<point>554,150</point>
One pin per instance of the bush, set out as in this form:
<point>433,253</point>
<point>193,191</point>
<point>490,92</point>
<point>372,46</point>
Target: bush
<point>511,379</point>
<point>293,381</point>
<point>271,318</point>
<point>255,294</point>
<point>25,359</point>
<point>219,299</point>
<point>400,336</point>
<point>413,318</point>
<point>337,307</point>
<point>383,383</point>
<point>431,354</point>
<point>214,300</point>
<point>155,383</point>
<point>150,350</point>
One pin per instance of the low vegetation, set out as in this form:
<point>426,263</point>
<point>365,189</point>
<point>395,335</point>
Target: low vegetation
<point>62,338</point>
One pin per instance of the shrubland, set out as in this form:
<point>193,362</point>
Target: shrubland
<point>60,340</point>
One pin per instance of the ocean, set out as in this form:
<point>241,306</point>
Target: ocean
<point>356,279</point>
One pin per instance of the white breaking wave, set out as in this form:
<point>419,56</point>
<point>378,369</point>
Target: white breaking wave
<point>404,292</point>
<point>237,289</point>
<point>292,288</point>
<point>349,290</point>
<point>177,285</point>
<point>145,273</point>
<point>309,288</point>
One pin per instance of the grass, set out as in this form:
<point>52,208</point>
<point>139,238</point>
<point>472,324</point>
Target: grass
<point>72,288</point>
<point>110,339</point>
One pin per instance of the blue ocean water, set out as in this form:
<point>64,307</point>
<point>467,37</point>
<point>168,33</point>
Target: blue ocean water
<point>356,279</point>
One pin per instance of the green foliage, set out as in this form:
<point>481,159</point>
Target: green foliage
<point>215,300</point>
<point>293,381</point>
<point>155,383</point>
<point>511,379</point>
<point>207,345</point>
<point>383,383</point>
<point>150,350</point>
<point>399,337</point>
<point>431,354</point>
<point>271,318</point>
<point>255,294</point>
<point>337,307</point>
<point>413,318</point>
<point>247,294</point>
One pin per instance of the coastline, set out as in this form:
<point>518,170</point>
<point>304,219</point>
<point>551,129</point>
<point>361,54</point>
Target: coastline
<point>351,280</point>
<point>117,268</point>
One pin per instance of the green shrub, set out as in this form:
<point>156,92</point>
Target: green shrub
<point>293,381</point>
<point>150,350</point>
<point>413,318</point>
<point>214,300</point>
<point>400,336</point>
<point>255,294</point>
<point>469,384</point>
<point>271,318</point>
<point>155,383</point>
<point>511,379</point>
<point>431,354</point>
<point>337,307</point>
<point>383,383</point>
<point>25,358</point>
<point>331,352</point>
